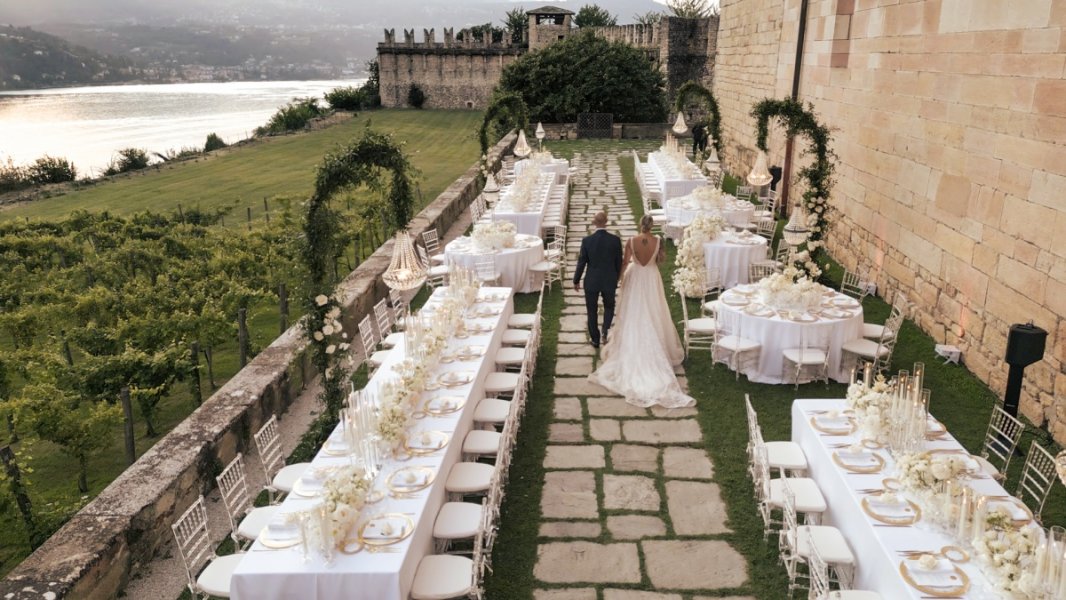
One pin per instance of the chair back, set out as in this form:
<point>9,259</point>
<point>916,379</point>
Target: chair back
<point>766,228</point>
<point>713,284</point>
<point>233,487</point>
<point>762,471</point>
<point>1038,475</point>
<point>788,513</point>
<point>819,573</point>
<point>366,335</point>
<point>381,314</point>
<point>1002,437</point>
<point>432,242</point>
<point>486,268</point>
<point>193,540</point>
<point>423,257</point>
<point>268,443</point>
<point>744,192</point>
<point>852,285</point>
<point>559,233</point>
<point>475,211</point>
<point>759,271</point>
<point>784,254</point>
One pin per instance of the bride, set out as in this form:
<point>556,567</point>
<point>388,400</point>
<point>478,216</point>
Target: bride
<point>643,349</point>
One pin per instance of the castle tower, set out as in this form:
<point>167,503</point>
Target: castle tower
<point>548,25</point>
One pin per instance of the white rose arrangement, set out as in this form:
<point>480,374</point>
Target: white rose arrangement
<point>525,186</point>
<point>690,277</point>
<point>921,471</point>
<point>789,290</point>
<point>708,198</point>
<point>871,406</point>
<point>345,494</point>
<point>494,236</point>
<point>1008,553</point>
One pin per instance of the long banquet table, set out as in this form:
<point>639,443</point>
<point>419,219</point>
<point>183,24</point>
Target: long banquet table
<point>683,210</point>
<point>265,574</point>
<point>673,183</point>
<point>876,546</point>
<point>526,221</point>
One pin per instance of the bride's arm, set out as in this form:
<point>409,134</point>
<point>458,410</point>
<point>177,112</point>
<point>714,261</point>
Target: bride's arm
<point>627,255</point>
<point>660,258</point>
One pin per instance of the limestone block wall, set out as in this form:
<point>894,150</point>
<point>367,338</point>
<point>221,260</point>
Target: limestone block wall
<point>950,129</point>
<point>451,78</point>
<point>96,552</point>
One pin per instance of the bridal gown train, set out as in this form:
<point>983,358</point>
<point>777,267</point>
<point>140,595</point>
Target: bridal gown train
<point>643,347</point>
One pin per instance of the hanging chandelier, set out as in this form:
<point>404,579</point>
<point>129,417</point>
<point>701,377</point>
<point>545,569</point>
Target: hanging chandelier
<point>491,191</point>
<point>795,232</point>
<point>760,175</point>
<point>521,148</point>
<point>405,271</point>
<point>680,127</point>
<point>712,163</point>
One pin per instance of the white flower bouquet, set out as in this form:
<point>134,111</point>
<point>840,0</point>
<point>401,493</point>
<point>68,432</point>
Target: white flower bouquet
<point>922,471</point>
<point>494,236</point>
<point>708,198</point>
<point>690,277</point>
<point>789,290</point>
<point>525,186</point>
<point>1008,553</point>
<point>871,406</point>
<point>345,494</point>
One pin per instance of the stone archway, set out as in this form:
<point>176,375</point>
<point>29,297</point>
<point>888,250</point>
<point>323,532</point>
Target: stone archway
<point>704,95</point>
<point>507,108</point>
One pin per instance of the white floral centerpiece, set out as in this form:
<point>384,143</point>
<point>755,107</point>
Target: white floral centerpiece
<point>494,236</point>
<point>345,494</point>
<point>525,186</point>
<point>1009,553</point>
<point>871,405</point>
<point>708,198</point>
<point>789,290</point>
<point>922,471</point>
<point>690,277</point>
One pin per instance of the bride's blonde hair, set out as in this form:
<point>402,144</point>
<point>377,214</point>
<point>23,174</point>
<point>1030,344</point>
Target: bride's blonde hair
<point>645,224</point>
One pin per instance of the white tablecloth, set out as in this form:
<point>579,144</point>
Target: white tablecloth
<point>511,263</point>
<point>777,334</point>
<point>672,182</point>
<point>529,220</point>
<point>559,166</point>
<point>684,209</point>
<point>732,258</point>
<point>875,547</point>
<point>281,574</point>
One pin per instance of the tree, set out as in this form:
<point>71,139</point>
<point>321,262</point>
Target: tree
<point>517,22</point>
<point>214,142</point>
<point>649,18</point>
<point>693,9</point>
<point>372,88</point>
<point>129,159</point>
<point>586,73</point>
<point>593,15</point>
<point>49,169</point>
<point>415,96</point>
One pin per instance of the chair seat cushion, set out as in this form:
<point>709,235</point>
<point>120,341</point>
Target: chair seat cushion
<point>865,347</point>
<point>737,344</point>
<point>872,330</point>
<point>702,325</point>
<point>492,410</point>
<point>987,467</point>
<point>712,306</point>
<point>437,258</point>
<point>215,579</point>
<point>809,498</point>
<point>287,476</point>
<point>854,595</point>
<point>501,382</point>
<point>522,320</point>
<point>799,356</point>
<point>457,521</point>
<point>510,356</point>
<point>442,576</point>
<point>515,337</point>
<point>438,271</point>
<point>391,340</point>
<point>255,521</point>
<point>480,441</point>
<point>830,542</point>
<point>786,455</point>
<point>544,266</point>
<point>469,477</point>
<point>378,358</point>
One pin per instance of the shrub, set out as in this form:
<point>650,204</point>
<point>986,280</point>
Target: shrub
<point>593,15</point>
<point>346,98</point>
<point>291,117</point>
<point>49,169</point>
<point>415,96</point>
<point>129,159</point>
<point>213,142</point>
<point>12,177</point>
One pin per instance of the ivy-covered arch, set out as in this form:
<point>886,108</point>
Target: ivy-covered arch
<point>508,108</point>
<point>798,119</point>
<point>363,162</point>
<point>692,89</point>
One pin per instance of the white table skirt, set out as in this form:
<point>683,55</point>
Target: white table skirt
<point>732,259</point>
<point>673,184</point>
<point>876,548</point>
<point>776,335</point>
<point>527,221</point>
<point>737,213</point>
<point>511,263</point>
<point>282,574</point>
<point>559,166</point>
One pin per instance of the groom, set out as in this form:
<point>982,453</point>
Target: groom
<point>601,252</point>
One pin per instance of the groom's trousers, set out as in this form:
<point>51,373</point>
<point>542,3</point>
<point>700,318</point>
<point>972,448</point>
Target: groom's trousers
<point>591,298</point>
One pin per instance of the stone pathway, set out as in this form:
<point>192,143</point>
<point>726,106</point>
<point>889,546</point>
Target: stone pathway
<point>630,509</point>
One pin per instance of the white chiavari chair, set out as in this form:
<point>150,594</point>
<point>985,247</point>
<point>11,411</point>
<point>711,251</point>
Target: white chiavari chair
<point>547,271</point>
<point>485,270</point>
<point>744,192</point>
<point>432,243</point>
<point>436,275</point>
<point>386,337</point>
<point>699,333</point>
<point>457,521</point>
<point>196,548</point>
<point>767,229</point>
<point>796,542</point>
<point>784,255</point>
<point>527,320</point>
<point>732,348</point>
<point>812,359</point>
<point>282,477</point>
<point>368,336</point>
<point>1038,476</point>
<point>759,271</point>
<point>874,331</point>
<point>785,456</point>
<point>853,285</point>
<point>399,308</point>
<point>819,572</point>
<point>878,353</point>
<point>449,576</point>
<point>1004,432</point>
<point>245,520</point>
<point>770,496</point>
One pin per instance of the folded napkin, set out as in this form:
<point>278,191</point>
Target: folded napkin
<point>416,442</point>
<point>861,459</point>
<point>841,422</point>
<point>405,479</point>
<point>942,576</point>
<point>896,510</point>
<point>280,528</point>
<point>1017,513</point>
<point>375,530</point>
<point>439,404</point>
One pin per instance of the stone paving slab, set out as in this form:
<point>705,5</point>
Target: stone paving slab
<point>687,463</point>
<point>570,529</point>
<point>605,430</point>
<point>637,595</point>
<point>575,350</point>
<point>670,564</point>
<point>630,457</point>
<point>567,433</point>
<point>666,431</point>
<point>580,386</point>
<point>565,594</point>
<point>567,409</point>
<point>569,495</point>
<point>614,407</point>
<point>674,413</point>
<point>630,492</point>
<point>589,456</point>
<point>696,508</point>
<point>573,365</point>
<point>566,337</point>
<point>635,527</point>
<point>586,562</point>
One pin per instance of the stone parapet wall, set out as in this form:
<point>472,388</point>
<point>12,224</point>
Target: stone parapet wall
<point>96,552</point>
<point>451,78</point>
<point>949,121</point>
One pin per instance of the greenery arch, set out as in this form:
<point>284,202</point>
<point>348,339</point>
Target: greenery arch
<point>360,163</point>
<point>798,119</point>
<point>506,108</point>
<point>692,89</point>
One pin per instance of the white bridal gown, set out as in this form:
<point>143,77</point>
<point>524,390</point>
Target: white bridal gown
<point>643,346</point>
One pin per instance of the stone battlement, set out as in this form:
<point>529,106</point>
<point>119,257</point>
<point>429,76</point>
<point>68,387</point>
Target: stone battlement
<point>638,36</point>
<point>450,44</point>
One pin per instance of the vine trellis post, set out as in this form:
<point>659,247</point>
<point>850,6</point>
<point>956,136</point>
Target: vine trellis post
<point>508,108</point>
<point>692,89</point>
<point>360,163</point>
<point>798,119</point>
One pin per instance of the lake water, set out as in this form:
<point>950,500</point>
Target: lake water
<point>89,124</point>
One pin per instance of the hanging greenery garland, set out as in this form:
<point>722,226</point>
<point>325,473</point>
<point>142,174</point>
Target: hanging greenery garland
<point>692,89</point>
<point>507,108</point>
<point>798,119</point>
<point>361,163</point>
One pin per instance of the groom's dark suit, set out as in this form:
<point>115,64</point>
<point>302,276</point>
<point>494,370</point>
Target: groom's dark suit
<point>601,254</point>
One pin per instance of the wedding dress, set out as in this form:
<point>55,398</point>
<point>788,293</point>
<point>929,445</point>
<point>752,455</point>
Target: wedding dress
<point>643,347</point>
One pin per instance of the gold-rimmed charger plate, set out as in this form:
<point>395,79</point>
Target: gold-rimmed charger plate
<point>996,502</point>
<point>455,378</point>
<point>875,467</point>
<point>417,445</point>
<point>300,489</point>
<point>892,484</point>
<point>473,328</point>
<point>446,405</point>
<point>937,591</point>
<point>273,544</point>
<point>407,527</point>
<point>955,554</point>
<point>834,430</point>
<point>913,509</point>
<point>802,318</point>
<point>397,480</point>
<point>332,448</point>
<point>469,353</point>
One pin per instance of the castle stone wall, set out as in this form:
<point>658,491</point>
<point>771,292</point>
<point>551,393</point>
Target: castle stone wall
<point>684,49</point>
<point>949,121</point>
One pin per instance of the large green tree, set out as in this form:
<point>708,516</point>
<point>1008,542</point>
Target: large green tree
<point>585,73</point>
<point>593,15</point>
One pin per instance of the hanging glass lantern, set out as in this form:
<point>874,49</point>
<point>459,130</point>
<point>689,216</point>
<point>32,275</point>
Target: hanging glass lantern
<point>491,191</point>
<point>795,232</point>
<point>679,125</point>
<point>712,163</point>
<point>405,271</point>
<point>521,148</point>
<point>760,175</point>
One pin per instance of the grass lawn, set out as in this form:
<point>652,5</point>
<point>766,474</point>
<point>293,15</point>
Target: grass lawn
<point>441,143</point>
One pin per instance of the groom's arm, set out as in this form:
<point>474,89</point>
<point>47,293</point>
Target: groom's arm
<point>618,256</point>
<point>582,260</point>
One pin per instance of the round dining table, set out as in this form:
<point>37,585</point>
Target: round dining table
<point>511,263</point>
<point>837,321</point>
<point>738,213</point>
<point>732,254</point>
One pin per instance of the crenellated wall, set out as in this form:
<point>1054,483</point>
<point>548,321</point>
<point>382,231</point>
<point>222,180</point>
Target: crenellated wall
<point>684,49</point>
<point>949,124</point>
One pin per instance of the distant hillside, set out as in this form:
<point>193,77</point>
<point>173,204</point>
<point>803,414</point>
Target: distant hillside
<point>32,59</point>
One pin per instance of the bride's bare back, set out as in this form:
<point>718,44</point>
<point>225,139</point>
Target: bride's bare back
<point>644,248</point>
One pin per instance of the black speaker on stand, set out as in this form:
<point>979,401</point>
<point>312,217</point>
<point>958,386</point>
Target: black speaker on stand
<point>1025,346</point>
